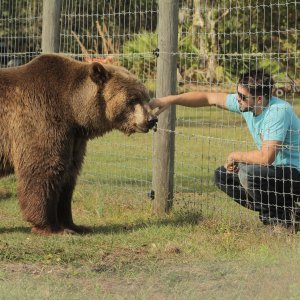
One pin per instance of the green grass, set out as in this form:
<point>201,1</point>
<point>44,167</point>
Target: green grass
<point>207,248</point>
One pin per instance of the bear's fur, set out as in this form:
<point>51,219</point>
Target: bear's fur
<point>49,109</point>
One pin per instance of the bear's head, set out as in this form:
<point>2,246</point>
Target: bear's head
<point>115,99</point>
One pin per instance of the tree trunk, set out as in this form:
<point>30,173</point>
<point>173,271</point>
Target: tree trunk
<point>204,28</point>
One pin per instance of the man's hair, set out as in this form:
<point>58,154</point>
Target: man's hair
<point>258,83</point>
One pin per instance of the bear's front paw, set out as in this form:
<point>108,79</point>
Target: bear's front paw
<point>71,229</point>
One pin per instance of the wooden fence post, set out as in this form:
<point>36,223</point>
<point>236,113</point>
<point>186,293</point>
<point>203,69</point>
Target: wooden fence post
<point>164,140</point>
<point>51,26</point>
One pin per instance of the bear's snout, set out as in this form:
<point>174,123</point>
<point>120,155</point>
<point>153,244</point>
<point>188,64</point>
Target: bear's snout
<point>152,123</point>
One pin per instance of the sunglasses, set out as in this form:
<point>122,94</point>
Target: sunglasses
<point>244,97</point>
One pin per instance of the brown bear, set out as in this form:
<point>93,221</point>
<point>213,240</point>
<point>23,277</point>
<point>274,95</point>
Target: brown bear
<point>49,109</point>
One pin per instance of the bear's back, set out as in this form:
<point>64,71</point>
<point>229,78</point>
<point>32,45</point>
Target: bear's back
<point>45,69</point>
<point>32,95</point>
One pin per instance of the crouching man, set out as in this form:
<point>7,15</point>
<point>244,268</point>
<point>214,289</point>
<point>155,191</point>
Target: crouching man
<point>266,180</point>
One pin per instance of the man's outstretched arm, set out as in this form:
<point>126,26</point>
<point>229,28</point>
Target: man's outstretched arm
<point>190,99</point>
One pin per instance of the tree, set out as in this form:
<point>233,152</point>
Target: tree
<point>231,36</point>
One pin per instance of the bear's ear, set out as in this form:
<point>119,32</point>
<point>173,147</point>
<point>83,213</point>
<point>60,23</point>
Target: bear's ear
<point>98,73</point>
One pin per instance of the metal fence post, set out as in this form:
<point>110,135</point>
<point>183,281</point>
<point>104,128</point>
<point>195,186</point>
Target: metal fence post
<point>51,26</point>
<point>164,140</point>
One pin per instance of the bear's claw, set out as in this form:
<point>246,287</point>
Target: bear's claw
<point>72,229</point>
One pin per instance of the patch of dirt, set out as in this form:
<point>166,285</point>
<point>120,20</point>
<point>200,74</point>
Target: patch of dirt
<point>120,258</point>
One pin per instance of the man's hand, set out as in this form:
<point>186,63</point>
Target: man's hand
<point>265,156</point>
<point>161,103</point>
<point>231,165</point>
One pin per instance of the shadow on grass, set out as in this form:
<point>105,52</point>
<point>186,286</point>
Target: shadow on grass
<point>4,195</point>
<point>175,220</point>
<point>19,229</point>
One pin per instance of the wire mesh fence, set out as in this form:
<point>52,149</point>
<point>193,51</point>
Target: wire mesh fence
<point>217,41</point>
<point>20,31</point>
<point>120,33</point>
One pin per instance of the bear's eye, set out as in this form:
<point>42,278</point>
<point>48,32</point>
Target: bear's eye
<point>134,101</point>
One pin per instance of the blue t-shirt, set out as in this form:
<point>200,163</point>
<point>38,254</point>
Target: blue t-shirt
<point>277,122</point>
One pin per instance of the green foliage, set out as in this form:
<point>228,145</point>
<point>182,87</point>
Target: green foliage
<point>224,40</point>
<point>238,36</point>
<point>217,40</point>
<point>138,56</point>
<point>263,34</point>
<point>122,18</point>
<point>20,26</point>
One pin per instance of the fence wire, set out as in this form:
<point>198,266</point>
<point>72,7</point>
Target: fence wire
<point>20,31</point>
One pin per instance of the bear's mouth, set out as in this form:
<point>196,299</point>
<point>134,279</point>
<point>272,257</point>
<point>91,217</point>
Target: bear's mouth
<point>141,129</point>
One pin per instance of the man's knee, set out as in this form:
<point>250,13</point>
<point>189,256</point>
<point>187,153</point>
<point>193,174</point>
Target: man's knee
<point>252,176</point>
<point>244,174</point>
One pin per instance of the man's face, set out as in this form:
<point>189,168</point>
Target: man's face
<point>245,100</point>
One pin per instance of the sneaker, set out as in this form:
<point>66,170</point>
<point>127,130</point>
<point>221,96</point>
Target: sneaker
<point>292,224</point>
<point>266,220</point>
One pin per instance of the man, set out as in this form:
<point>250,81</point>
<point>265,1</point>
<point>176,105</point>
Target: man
<point>266,180</point>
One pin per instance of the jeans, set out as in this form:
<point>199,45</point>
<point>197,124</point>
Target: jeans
<point>270,190</point>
